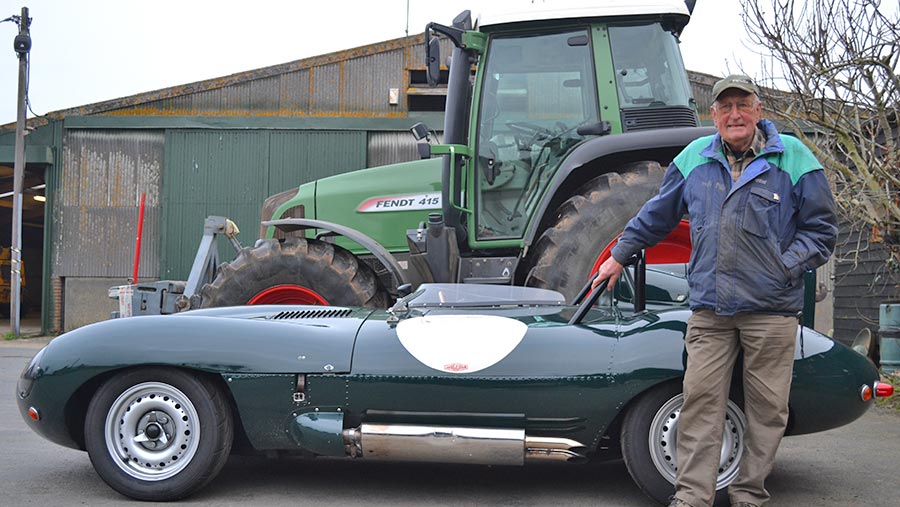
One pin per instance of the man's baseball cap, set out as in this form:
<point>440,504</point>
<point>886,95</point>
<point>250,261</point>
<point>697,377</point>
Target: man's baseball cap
<point>739,81</point>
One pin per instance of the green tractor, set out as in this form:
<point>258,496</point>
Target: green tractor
<point>558,126</point>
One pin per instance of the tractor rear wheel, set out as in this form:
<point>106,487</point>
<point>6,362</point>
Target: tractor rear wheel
<point>295,271</point>
<point>566,253</point>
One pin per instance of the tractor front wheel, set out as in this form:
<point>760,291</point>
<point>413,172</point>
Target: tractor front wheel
<point>297,271</point>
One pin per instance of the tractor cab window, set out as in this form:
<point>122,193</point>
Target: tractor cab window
<point>648,67</point>
<point>536,91</point>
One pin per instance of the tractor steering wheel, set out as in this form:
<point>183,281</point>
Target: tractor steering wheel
<point>527,134</point>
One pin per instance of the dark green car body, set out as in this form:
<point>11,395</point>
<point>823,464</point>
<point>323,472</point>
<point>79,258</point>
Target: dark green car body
<point>299,378</point>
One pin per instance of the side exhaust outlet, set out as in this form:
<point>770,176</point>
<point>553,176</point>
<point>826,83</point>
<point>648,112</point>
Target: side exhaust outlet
<point>468,445</point>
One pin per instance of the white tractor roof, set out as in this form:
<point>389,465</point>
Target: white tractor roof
<point>534,10</point>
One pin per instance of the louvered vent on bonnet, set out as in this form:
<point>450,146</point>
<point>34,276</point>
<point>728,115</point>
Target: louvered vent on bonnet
<point>331,313</point>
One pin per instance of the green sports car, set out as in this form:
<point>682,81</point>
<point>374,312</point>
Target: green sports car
<point>451,373</point>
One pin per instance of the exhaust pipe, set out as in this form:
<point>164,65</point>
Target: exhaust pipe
<point>467,445</point>
<point>554,449</point>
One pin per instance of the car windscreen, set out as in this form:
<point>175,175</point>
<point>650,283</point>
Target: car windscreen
<point>444,295</point>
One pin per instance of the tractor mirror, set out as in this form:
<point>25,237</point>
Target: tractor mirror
<point>419,131</point>
<point>433,60</point>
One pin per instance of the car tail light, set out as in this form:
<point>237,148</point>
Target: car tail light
<point>34,414</point>
<point>866,392</point>
<point>883,389</point>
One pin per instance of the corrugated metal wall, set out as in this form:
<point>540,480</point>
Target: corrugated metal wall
<point>297,157</point>
<point>355,82</point>
<point>393,147</point>
<point>294,92</point>
<point>701,88</point>
<point>861,283</point>
<point>208,173</point>
<point>103,176</point>
<point>231,172</point>
<point>367,83</point>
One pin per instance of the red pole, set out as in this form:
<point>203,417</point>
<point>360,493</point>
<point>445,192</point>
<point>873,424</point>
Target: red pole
<point>137,241</point>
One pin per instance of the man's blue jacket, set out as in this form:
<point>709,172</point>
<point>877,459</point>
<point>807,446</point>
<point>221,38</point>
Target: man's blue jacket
<point>752,239</point>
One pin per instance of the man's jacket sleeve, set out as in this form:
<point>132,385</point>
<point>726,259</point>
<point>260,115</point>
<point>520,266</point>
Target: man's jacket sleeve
<point>816,224</point>
<point>656,219</point>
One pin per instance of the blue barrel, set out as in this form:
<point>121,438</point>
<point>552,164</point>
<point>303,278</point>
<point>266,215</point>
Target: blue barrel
<point>889,331</point>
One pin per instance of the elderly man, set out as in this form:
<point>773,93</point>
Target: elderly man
<point>761,213</point>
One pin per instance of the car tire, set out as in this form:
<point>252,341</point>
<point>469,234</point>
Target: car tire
<point>158,434</point>
<point>566,252</point>
<point>648,441</point>
<point>295,271</point>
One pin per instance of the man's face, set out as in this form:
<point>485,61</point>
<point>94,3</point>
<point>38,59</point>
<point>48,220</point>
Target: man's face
<point>735,115</point>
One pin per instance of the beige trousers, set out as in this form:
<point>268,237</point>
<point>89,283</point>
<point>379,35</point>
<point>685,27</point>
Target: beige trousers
<point>712,343</point>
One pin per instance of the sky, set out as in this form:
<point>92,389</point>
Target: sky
<point>89,51</point>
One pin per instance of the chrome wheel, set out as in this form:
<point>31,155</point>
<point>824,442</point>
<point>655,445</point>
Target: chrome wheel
<point>152,431</point>
<point>663,441</point>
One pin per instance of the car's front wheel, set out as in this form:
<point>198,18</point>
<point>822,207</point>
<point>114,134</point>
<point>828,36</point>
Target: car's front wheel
<point>158,434</point>
<point>649,444</point>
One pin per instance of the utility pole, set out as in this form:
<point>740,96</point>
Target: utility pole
<point>22,45</point>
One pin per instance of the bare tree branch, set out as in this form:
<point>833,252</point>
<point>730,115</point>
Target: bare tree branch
<point>839,64</point>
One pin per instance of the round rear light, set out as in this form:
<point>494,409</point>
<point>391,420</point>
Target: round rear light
<point>883,390</point>
<point>865,392</point>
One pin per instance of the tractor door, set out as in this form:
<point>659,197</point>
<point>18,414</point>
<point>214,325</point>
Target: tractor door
<point>536,90</point>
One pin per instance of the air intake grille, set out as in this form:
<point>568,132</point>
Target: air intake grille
<point>658,117</point>
<point>331,313</point>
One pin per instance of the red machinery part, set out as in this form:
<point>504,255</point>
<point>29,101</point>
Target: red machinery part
<point>288,295</point>
<point>137,241</point>
<point>673,249</point>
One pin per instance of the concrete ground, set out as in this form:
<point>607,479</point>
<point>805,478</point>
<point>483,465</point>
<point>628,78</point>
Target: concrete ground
<point>29,327</point>
<point>852,466</point>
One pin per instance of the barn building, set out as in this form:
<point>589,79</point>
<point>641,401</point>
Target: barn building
<point>220,147</point>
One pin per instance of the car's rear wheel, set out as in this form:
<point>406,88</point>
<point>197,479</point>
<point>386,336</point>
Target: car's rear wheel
<point>649,443</point>
<point>297,271</point>
<point>158,434</point>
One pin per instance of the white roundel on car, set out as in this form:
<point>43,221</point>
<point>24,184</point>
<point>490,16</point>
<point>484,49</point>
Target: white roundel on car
<point>460,343</point>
